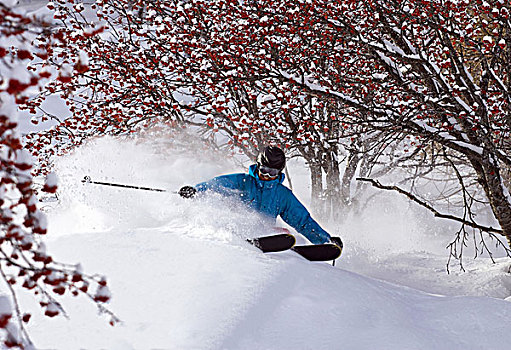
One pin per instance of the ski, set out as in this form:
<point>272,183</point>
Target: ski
<point>285,241</point>
<point>274,243</point>
<point>318,252</point>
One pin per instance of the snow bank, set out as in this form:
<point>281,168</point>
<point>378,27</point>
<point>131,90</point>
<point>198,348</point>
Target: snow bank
<point>179,292</point>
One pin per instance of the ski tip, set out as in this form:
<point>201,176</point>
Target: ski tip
<point>274,243</point>
<point>319,252</point>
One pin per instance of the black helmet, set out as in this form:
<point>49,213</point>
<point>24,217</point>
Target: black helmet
<point>272,157</point>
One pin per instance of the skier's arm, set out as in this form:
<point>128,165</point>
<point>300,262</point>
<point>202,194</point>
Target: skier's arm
<point>296,215</point>
<point>227,185</point>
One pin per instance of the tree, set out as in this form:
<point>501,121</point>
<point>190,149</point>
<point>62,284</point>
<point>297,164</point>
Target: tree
<point>24,262</point>
<point>445,79</point>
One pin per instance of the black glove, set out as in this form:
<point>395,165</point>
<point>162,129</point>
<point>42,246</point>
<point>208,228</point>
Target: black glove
<point>187,191</point>
<point>337,241</point>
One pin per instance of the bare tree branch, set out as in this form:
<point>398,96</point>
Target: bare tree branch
<point>422,203</point>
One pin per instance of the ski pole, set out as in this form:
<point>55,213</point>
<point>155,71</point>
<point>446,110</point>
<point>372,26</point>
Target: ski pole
<point>88,180</point>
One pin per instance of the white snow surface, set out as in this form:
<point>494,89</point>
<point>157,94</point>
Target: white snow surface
<point>182,276</point>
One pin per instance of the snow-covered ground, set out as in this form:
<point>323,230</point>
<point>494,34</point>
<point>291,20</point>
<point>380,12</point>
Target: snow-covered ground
<point>182,276</point>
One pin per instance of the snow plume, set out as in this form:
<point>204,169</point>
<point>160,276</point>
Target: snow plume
<point>164,164</point>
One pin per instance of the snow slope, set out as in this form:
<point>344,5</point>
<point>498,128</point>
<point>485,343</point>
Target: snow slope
<point>182,276</point>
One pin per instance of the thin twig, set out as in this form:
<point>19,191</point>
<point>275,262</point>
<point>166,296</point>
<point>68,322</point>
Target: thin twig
<point>16,307</point>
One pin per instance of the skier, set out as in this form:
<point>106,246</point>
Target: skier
<point>262,189</point>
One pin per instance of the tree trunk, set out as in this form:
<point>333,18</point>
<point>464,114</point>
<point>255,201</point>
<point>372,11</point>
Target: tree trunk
<point>333,181</point>
<point>317,202</point>
<point>490,178</point>
<point>347,177</point>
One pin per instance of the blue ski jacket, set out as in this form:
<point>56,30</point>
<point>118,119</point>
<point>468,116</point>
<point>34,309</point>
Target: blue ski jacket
<point>271,198</point>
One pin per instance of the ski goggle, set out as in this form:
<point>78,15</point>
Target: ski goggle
<point>272,172</point>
